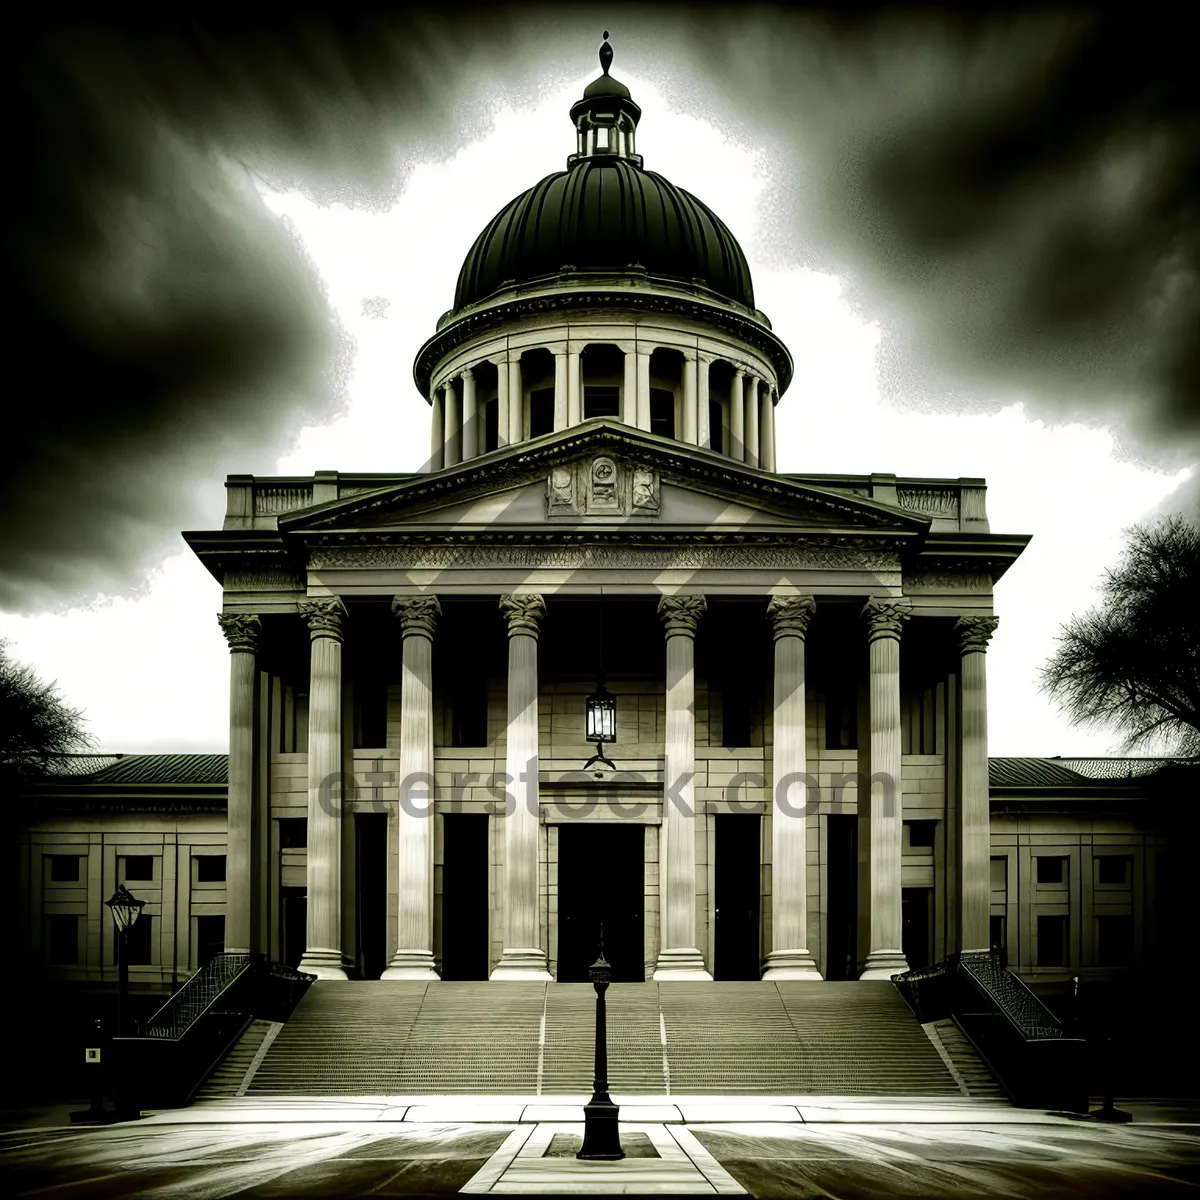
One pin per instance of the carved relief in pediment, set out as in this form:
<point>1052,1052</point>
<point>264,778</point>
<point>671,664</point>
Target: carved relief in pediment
<point>601,487</point>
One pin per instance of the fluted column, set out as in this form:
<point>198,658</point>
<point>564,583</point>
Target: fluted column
<point>974,808</point>
<point>413,958</point>
<point>751,409</point>
<point>789,957</point>
<point>643,389</point>
<point>679,956</point>
<point>703,430</point>
<point>737,418</point>
<point>522,956</point>
<point>241,632</point>
<point>629,408</point>
<point>470,427</point>
<point>326,624</point>
<point>437,432</point>
<point>574,387</point>
<point>516,399</point>
<point>767,432</point>
<point>690,416</point>
<point>560,389</point>
<point>884,954</point>
<point>452,450</point>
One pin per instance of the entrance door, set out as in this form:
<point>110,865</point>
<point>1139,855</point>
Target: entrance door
<point>370,905</point>
<point>465,896</point>
<point>841,882</point>
<point>736,949</point>
<point>601,881</point>
<point>293,902</point>
<point>916,926</point>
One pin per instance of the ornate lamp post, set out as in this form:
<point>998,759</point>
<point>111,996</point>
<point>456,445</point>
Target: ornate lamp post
<point>125,909</point>
<point>601,1135</point>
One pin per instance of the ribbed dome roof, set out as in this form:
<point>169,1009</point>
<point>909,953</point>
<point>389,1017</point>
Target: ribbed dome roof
<point>605,214</point>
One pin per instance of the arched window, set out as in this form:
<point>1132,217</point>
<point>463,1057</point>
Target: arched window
<point>716,433</point>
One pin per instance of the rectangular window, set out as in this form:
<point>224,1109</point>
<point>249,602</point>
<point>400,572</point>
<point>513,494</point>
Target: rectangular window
<point>137,867</point>
<point>1052,948</point>
<point>841,715</point>
<point>1113,869</point>
<point>662,412</point>
<point>920,834</point>
<point>1114,941</point>
<point>737,714</point>
<point>1051,868</point>
<point>64,868</point>
<point>139,939</point>
<point>210,938</point>
<point>210,868</point>
<point>601,402</point>
<point>541,412</point>
<point>62,939</point>
<point>999,874</point>
<point>293,833</point>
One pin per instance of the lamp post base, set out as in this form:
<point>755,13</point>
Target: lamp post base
<point>601,1133</point>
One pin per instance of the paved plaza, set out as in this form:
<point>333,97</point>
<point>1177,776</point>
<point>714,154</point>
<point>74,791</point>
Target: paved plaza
<point>782,1146</point>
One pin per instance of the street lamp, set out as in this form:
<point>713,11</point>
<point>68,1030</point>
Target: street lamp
<point>125,909</point>
<point>601,1135</point>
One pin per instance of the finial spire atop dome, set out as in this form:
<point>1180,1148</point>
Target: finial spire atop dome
<point>606,54</point>
<point>606,118</point>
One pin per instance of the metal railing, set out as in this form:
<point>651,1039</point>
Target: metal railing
<point>197,996</point>
<point>1011,996</point>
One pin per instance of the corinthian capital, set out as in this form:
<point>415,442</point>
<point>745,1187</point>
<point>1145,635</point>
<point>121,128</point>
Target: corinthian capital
<point>681,614</point>
<point>790,615</point>
<point>326,617</point>
<point>241,631</point>
<point>974,633</point>
<point>418,614</point>
<point>885,617</point>
<point>524,612</point>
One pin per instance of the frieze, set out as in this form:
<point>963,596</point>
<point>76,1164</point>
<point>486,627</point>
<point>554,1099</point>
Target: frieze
<point>947,581</point>
<point>262,581</point>
<point>930,502</point>
<point>663,556</point>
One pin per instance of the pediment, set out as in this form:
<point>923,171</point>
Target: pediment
<point>601,475</point>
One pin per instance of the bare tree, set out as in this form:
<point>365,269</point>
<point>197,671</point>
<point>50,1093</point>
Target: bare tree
<point>1133,663</point>
<point>36,724</point>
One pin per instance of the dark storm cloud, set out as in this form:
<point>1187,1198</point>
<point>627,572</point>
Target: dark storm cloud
<point>165,328</point>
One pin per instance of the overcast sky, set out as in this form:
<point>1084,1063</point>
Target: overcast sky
<point>142,654</point>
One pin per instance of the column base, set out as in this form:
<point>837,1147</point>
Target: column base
<point>883,964</point>
<point>680,966</point>
<point>411,964</point>
<point>791,964</point>
<point>324,964</point>
<point>522,964</point>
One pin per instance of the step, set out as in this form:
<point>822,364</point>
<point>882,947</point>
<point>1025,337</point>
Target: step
<point>227,1077</point>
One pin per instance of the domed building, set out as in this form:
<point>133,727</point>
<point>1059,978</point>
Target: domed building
<point>600,670</point>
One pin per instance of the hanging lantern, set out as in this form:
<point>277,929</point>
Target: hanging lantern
<point>125,907</point>
<point>601,716</point>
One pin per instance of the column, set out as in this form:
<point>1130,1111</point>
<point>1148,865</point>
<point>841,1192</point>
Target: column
<point>643,389</point>
<point>737,419</point>
<point>437,432</point>
<point>703,432</point>
<point>789,957</point>
<point>679,957</point>
<point>690,421</point>
<point>453,441</point>
<point>560,389</point>
<point>326,624</point>
<point>751,410</point>
<point>884,955</point>
<point>574,387</point>
<point>523,956</point>
<point>516,399</point>
<point>502,394</point>
<point>767,431</point>
<point>241,632</point>
<point>414,821</point>
<point>470,425</point>
<point>974,813</point>
<point>629,409</point>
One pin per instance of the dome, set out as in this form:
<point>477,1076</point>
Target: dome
<point>605,213</point>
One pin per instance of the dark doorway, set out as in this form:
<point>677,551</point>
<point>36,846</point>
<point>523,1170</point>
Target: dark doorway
<point>370,904</point>
<point>465,896</point>
<point>841,918</point>
<point>737,871</point>
<point>294,921</point>
<point>916,922</point>
<point>601,881</point>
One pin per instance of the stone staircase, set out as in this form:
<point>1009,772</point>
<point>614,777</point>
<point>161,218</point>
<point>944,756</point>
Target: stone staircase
<point>407,1038</point>
<point>227,1079</point>
<point>971,1070</point>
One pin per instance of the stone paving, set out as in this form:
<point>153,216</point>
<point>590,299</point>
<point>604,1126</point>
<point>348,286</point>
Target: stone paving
<point>842,1148</point>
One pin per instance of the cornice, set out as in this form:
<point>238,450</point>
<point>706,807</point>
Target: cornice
<point>472,324</point>
<point>968,553</point>
<point>221,550</point>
